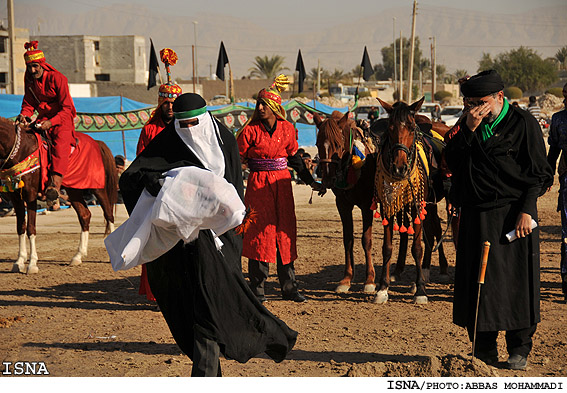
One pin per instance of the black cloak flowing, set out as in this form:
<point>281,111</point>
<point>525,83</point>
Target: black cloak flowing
<point>196,286</point>
<point>493,181</point>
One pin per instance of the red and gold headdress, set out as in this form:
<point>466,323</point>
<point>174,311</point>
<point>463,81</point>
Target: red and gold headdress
<point>32,54</point>
<point>168,91</point>
<point>272,95</point>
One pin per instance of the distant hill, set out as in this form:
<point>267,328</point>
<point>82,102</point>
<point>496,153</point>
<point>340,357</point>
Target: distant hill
<point>461,36</point>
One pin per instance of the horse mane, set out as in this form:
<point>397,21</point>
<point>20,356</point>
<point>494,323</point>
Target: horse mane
<point>400,113</point>
<point>330,131</point>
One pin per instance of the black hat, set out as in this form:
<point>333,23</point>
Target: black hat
<point>189,105</point>
<point>482,84</point>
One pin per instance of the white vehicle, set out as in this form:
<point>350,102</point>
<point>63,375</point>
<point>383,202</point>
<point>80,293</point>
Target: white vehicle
<point>450,114</point>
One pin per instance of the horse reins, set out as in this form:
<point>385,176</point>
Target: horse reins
<point>15,147</point>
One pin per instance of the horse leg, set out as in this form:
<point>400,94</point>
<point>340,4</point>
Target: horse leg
<point>32,214</point>
<point>443,264</point>
<point>19,208</point>
<point>401,261</point>
<point>420,296</point>
<point>387,248</point>
<point>84,215</point>
<point>107,209</point>
<point>345,212</point>
<point>429,228</point>
<point>367,218</point>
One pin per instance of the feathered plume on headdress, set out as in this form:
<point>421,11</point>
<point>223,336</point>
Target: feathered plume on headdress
<point>169,58</point>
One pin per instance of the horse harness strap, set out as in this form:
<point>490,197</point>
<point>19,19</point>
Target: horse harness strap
<point>15,147</point>
<point>11,178</point>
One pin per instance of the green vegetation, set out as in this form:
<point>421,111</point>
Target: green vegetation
<point>556,91</point>
<point>268,68</point>
<point>521,67</point>
<point>513,92</point>
<point>442,94</point>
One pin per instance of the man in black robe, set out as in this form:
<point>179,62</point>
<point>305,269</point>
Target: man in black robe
<point>200,290</point>
<point>497,157</point>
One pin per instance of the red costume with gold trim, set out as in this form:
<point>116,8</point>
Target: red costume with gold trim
<point>49,96</point>
<point>269,194</point>
<point>168,92</point>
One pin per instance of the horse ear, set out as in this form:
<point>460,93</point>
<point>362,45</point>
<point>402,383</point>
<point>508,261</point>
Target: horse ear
<point>416,105</point>
<point>317,119</point>
<point>385,105</point>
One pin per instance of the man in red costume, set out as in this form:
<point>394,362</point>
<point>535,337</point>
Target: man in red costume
<point>47,92</point>
<point>162,116</point>
<point>268,145</point>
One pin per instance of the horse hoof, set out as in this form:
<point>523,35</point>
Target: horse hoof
<point>413,288</point>
<point>425,273</point>
<point>342,288</point>
<point>18,268</point>
<point>420,300</point>
<point>381,297</point>
<point>369,288</point>
<point>76,261</point>
<point>444,278</point>
<point>32,269</point>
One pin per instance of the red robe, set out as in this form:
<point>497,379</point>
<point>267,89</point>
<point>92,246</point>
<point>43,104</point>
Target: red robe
<point>269,193</point>
<point>50,97</point>
<point>149,132</point>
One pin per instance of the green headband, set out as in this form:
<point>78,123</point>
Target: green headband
<point>190,114</point>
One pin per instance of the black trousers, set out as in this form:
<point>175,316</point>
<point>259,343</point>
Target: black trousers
<point>518,342</point>
<point>206,357</point>
<point>258,273</point>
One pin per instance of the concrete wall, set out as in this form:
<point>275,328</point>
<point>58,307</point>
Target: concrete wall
<point>122,58</point>
<point>21,37</point>
<point>243,88</point>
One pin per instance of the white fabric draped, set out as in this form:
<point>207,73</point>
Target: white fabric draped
<point>191,199</point>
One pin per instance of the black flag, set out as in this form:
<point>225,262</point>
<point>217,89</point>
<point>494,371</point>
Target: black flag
<point>368,71</point>
<point>221,62</point>
<point>154,66</point>
<point>299,67</point>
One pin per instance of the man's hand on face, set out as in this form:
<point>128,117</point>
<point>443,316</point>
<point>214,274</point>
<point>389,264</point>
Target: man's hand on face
<point>476,114</point>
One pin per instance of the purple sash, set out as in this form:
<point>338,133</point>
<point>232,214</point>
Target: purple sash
<point>267,164</point>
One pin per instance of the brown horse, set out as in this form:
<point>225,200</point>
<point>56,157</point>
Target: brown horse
<point>334,143</point>
<point>401,188</point>
<point>18,159</point>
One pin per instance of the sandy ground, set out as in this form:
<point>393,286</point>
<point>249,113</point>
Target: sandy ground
<point>89,321</point>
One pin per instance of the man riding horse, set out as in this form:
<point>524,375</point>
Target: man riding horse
<point>47,92</point>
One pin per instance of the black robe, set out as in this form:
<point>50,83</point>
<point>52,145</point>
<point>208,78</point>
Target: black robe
<point>196,286</point>
<point>493,181</point>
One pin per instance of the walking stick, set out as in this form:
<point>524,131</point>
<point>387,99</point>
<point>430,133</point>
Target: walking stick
<point>481,272</point>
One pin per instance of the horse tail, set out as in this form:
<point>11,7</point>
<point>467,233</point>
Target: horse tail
<point>110,173</point>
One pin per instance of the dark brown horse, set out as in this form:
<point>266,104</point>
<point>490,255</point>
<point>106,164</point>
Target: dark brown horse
<point>401,188</point>
<point>18,147</point>
<point>335,138</point>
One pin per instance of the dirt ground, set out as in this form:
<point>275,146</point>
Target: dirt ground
<point>89,321</point>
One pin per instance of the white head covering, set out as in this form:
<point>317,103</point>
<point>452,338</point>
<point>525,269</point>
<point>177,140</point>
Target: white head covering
<point>203,140</point>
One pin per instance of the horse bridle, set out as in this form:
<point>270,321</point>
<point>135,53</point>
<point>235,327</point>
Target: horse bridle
<point>15,147</point>
<point>410,152</point>
<point>337,161</point>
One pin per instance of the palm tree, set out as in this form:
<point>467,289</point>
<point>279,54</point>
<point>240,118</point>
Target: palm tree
<point>561,56</point>
<point>268,68</point>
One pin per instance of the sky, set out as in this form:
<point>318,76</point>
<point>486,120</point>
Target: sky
<point>318,12</point>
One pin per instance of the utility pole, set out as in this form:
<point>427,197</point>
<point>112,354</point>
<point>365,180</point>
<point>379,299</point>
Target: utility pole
<point>196,66</point>
<point>193,54</point>
<point>412,47</point>
<point>401,98</point>
<point>318,76</point>
<point>433,70</point>
<point>395,65</point>
<point>11,38</point>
